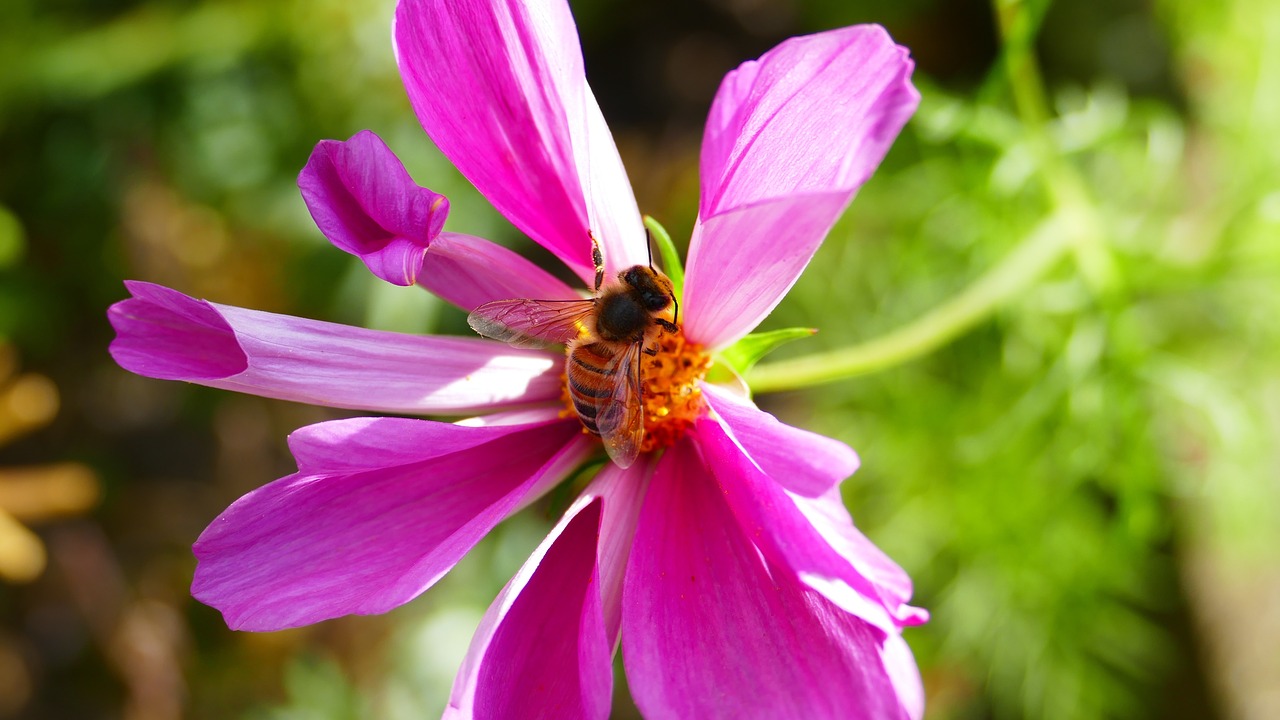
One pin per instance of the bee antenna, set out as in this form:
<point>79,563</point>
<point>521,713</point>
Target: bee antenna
<point>676,316</point>
<point>648,244</point>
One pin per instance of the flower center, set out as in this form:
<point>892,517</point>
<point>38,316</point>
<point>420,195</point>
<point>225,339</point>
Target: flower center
<point>669,388</point>
<point>672,398</point>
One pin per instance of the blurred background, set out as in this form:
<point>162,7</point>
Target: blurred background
<point>1085,484</point>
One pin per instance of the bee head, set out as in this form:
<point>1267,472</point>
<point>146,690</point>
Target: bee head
<point>652,289</point>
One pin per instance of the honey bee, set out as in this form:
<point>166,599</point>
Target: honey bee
<point>605,335</point>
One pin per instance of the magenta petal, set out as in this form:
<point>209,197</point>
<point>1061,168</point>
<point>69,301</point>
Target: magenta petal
<point>469,272</point>
<point>803,462</point>
<point>905,675</point>
<point>611,204</point>
<point>400,503</point>
<point>789,140</point>
<point>622,490</point>
<point>364,201</point>
<point>814,538</point>
<point>534,638</point>
<point>499,86</point>
<point>164,334</point>
<point>743,262</point>
<point>161,333</point>
<point>815,114</point>
<point>711,630</point>
<point>830,518</point>
<point>541,650</point>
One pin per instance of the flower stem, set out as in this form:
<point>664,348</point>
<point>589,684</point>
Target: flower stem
<point>1034,256</point>
<point>1019,23</point>
<point>1072,226</point>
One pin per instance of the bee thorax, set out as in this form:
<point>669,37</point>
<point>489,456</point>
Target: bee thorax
<point>620,318</point>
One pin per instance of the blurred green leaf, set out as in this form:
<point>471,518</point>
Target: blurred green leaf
<point>13,244</point>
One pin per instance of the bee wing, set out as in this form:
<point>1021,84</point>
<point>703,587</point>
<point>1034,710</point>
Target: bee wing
<point>531,323</point>
<point>620,418</point>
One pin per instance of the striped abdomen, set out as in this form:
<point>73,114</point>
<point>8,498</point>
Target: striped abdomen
<point>592,369</point>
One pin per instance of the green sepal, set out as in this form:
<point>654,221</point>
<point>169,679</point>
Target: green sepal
<point>722,373</point>
<point>667,251</point>
<point>744,354</point>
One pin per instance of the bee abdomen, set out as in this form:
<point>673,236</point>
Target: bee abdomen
<point>591,381</point>
<point>587,422</point>
<point>593,358</point>
<point>581,389</point>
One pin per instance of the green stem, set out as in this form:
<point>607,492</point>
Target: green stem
<point>1018,28</point>
<point>1034,256</point>
<point>1019,24</point>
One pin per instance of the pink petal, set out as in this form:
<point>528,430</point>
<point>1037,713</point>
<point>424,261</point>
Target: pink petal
<point>500,88</point>
<point>622,490</point>
<point>803,462</point>
<point>523,416</point>
<point>359,444</point>
<point>905,674</point>
<point>364,201</point>
<point>789,140</point>
<point>541,650</point>
<point>813,538</point>
<point>743,262</point>
<point>379,510</point>
<point>828,515</point>
<point>712,630</point>
<point>611,204</point>
<point>533,618</point>
<point>813,115</point>
<point>164,334</point>
<point>469,272</point>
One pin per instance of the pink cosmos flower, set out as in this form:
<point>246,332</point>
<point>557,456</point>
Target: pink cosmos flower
<point>726,563</point>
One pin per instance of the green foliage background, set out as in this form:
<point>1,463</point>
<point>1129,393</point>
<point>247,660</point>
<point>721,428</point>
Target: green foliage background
<point>1083,479</point>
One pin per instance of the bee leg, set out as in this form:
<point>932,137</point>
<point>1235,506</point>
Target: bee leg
<point>639,381</point>
<point>651,352</point>
<point>597,259</point>
<point>667,325</point>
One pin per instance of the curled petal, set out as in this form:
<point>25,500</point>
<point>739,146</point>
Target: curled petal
<point>164,334</point>
<point>789,140</point>
<point>813,538</point>
<point>803,462</point>
<point>712,630</point>
<point>379,510</point>
<point>161,333</point>
<point>500,88</point>
<point>469,272</point>
<point>364,201</point>
<point>541,650</point>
